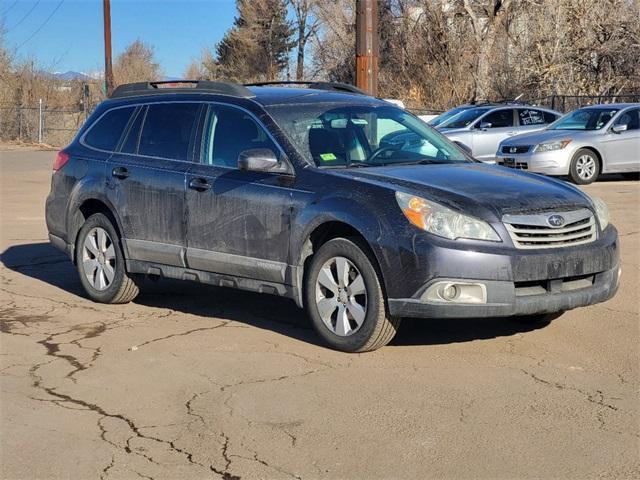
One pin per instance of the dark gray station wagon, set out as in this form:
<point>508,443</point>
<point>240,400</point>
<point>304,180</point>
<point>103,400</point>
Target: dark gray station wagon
<point>350,206</point>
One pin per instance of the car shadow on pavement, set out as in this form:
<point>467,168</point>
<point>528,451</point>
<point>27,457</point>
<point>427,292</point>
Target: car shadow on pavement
<point>43,262</point>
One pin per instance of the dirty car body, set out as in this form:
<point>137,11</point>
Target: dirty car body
<point>303,193</point>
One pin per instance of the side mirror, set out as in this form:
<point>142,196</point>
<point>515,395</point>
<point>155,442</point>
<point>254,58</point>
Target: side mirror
<point>619,128</point>
<point>485,125</point>
<point>258,160</point>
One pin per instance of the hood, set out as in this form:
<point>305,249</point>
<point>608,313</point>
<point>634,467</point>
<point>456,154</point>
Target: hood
<point>543,136</point>
<point>485,191</point>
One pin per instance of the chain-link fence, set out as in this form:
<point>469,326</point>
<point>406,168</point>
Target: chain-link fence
<point>39,124</point>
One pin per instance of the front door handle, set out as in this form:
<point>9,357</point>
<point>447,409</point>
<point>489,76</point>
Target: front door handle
<point>120,172</point>
<point>199,184</point>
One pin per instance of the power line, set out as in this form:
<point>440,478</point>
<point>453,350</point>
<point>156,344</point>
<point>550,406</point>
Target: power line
<point>10,7</point>
<point>42,25</point>
<point>25,16</point>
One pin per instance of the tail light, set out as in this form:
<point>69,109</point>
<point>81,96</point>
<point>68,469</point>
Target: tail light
<point>61,159</point>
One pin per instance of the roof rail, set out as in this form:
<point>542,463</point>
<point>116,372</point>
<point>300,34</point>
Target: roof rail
<point>194,86</point>
<point>484,103</point>
<point>337,86</point>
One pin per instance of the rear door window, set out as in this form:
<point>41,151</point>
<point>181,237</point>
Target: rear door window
<point>499,119</point>
<point>106,132</point>
<point>529,117</point>
<point>169,130</point>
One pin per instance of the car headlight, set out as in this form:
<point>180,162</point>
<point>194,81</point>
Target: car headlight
<point>551,146</point>
<point>443,221</point>
<point>602,211</point>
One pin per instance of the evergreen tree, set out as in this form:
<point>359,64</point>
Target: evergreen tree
<point>258,44</point>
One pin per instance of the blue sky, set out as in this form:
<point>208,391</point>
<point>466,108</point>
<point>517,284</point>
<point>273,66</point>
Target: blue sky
<point>73,40</point>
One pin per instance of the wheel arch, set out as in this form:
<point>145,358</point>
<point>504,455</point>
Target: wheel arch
<point>84,209</point>
<point>592,149</point>
<point>320,234</point>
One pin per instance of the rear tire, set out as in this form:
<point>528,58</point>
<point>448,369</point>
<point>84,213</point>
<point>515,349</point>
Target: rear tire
<point>345,300</point>
<point>100,262</point>
<point>585,167</point>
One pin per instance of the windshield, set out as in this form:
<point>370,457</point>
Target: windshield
<point>445,116</point>
<point>585,119</point>
<point>464,118</point>
<point>362,136</point>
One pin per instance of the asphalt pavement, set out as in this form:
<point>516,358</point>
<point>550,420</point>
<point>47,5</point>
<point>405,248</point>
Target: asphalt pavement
<point>191,381</point>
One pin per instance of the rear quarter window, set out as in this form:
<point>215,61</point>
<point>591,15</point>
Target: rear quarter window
<point>550,117</point>
<point>106,132</point>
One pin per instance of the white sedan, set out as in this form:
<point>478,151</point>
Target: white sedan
<point>582,144</point>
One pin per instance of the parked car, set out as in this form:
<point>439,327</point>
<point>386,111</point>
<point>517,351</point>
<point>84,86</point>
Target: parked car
<point>583,144</point>
<point>352,207</point>
<point>481,129</point>
<point>438,119</point>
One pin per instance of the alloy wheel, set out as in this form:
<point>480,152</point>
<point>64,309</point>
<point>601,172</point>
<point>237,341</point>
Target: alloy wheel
<point>99,258</point>
<point>341,296</point>
<point>585,167</point>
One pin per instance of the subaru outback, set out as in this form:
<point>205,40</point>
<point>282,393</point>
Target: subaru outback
<point>352,207</point>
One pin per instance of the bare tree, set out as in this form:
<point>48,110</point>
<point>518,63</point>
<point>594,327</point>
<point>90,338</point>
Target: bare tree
<point>136,64</point>
<point>306,25</point>
<point>194,71</point>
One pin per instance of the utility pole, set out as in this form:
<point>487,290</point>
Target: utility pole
<point>108,70</point>
<point>367,46</point>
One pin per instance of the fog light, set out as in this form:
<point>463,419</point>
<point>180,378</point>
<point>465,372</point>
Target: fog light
<point>456,292</point>
<point>449,292</point>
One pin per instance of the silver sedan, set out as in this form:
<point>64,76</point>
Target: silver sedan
<point>582,144</point>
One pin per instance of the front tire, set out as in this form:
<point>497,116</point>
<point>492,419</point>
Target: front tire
<point>345,300</point>
<point>585,167</point>
<point>100,262</point>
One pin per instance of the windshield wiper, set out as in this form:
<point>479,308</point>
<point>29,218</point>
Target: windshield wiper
<point>361,165</point>
<point>418,162</point>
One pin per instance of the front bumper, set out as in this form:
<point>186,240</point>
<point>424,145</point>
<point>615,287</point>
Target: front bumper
<point>548,163</point>
<point>518,282</point>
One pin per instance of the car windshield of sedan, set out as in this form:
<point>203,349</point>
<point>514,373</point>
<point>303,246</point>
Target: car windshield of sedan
<point>443,117</point>
<point>464,118</point>
<point>585,119</point>
<point>338,136</point>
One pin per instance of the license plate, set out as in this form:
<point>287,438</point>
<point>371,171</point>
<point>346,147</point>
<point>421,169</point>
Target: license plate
<point>565,268</point>
<point>509,161</point>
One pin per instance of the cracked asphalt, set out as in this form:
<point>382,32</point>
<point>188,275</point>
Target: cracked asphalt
<point>191,381</point>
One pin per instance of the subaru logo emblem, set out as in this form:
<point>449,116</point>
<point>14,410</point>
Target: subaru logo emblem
<point>556,220</point>
<point>513,150</point>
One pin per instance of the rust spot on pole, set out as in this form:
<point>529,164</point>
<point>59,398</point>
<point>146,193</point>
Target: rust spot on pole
<point>367,46</point>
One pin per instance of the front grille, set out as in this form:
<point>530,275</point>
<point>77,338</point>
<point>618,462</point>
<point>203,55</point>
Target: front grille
<point>511,163</point>
<point>515,149</point>
<point>535,231</point>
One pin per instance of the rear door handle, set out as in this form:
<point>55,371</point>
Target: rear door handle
<point>120,172</point>
<point>199,184</point>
